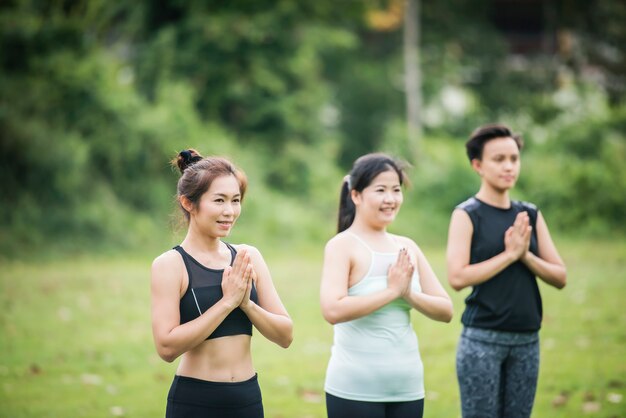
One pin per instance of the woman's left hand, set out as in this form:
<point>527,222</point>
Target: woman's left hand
<point>245,302</point>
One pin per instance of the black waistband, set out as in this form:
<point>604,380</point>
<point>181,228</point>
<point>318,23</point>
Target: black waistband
<point>192,391</point>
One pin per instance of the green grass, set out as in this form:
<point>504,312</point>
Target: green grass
<point>75,339</point>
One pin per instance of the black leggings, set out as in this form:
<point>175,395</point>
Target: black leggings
<point>194,398</point>
<point>346,408</point>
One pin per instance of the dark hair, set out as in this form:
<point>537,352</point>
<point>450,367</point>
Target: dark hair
<point>485,133</point>
<point>364,170</point>
<point>198,173</point>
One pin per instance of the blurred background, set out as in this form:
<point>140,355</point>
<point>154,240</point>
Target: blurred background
<point>96,97</point>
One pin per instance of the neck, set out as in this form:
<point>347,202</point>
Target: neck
<point>200,242</point>
<point>493,197</point>
<point>366,229</point>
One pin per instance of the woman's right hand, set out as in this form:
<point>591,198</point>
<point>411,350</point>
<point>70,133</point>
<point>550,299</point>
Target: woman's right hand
<point>517,237</point>
<point>236,278</point>
<point>400,274</point>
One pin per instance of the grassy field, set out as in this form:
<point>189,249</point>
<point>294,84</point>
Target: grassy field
<point>75,339</point>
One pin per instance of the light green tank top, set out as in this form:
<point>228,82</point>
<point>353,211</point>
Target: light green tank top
<point>376,357</point>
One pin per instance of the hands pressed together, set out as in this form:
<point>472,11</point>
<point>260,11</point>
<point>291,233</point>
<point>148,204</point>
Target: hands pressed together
<point>237,281</point>
<point>517,237</point>
<point>400,274</point>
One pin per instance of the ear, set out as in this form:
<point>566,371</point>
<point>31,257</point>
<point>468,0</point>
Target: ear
<point>477,166</point>
<point>355,196</point>
<point>186,203</point>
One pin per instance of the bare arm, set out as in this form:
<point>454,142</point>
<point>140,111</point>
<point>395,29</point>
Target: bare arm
<point>336,305</point>
<point>170,337</point>
<point>548,265</point>
<point>461,273</point>
<point>269,316</point>
<point>433,301</point>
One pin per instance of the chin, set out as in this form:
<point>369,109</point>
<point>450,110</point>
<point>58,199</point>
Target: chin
<point>222,234</point>
<point>387,221</point>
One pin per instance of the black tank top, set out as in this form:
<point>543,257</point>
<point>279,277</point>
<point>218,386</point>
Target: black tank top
<point>205,290</point>
<point>510,300</point>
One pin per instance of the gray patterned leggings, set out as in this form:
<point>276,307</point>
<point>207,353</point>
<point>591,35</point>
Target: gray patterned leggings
<point>497,373</point>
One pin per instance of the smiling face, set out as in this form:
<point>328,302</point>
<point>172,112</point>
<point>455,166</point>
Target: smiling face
<point>218,208</point>
<point>499,166</point>
<point>379,202</point>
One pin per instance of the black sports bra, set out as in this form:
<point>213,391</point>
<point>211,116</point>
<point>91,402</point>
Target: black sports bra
<point>205,290</point>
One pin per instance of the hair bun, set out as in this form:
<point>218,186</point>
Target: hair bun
<point>187,158</point>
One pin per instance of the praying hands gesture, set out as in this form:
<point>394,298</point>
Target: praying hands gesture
<point>237,280</point>
<point>400,274</point>
<point>517,237</point>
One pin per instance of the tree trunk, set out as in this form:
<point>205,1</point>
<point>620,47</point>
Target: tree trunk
<point>412,78</point>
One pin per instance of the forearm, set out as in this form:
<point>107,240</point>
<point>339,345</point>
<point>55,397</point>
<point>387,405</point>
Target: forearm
<point>275,327</point>
<point>348,308</point>
<point>438,308</point>
<point>191,334</point>
<point>473,274</point>
<point>552,273</point>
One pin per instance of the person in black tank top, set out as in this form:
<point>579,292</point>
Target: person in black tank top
<point>208,294</point>
<point>498,247</point>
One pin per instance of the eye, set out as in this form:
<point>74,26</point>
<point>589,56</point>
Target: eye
<point>219,200</point>
<point>236,200</point>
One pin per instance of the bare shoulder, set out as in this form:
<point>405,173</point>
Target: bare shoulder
<point>341,242</point>
<point>169,262</point>
<point>341,239</point>
<point>461,215</point>
<point>252,250</point>
<point>406,242</point>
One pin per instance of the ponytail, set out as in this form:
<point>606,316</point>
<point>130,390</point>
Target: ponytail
<point>347,210</point>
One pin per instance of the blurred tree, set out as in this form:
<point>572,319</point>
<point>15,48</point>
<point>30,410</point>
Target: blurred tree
<point>96,96</point>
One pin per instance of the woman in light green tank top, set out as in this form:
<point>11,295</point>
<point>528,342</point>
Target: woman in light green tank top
<point>371,280</point>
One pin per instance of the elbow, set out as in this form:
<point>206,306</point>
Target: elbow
<point>331,319</point>
<point>286,342</point>
<point>287,339</point>
<point>448,313</point>
<point>561,283</point>
<point>456,283</point>
<point>560,279</point>
<point>167,357</point>
<point>167,354</point>
<point>329,314</point>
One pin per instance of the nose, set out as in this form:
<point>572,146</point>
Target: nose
<point>228,209</point>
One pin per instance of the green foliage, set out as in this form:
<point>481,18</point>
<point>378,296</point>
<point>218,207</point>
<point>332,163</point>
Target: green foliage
<point>96,97</point>
<point>578,175</point>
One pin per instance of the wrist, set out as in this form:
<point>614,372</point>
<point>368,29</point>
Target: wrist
<point>395,293</point>
<point>247,306</point>
<point>229,304</point>
<point>511,256</point>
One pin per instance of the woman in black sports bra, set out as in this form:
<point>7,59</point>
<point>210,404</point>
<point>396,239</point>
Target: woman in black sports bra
<point>206,296</point>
